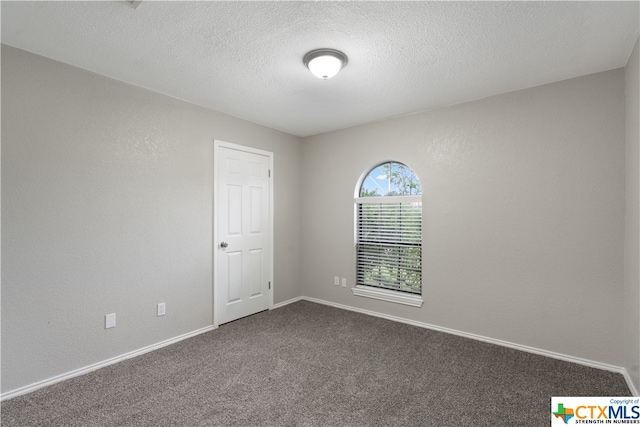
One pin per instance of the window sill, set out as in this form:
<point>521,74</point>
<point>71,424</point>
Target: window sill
<point>387,295</point>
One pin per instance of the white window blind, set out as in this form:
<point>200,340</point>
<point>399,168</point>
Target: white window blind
<point>389,243</point>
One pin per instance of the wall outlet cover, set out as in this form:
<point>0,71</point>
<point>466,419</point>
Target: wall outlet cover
<point>110,321</point>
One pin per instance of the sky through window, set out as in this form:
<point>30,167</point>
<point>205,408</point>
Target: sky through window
<point>390,179</point>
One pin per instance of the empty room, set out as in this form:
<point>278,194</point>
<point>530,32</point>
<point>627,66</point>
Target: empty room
<point>288,213</point>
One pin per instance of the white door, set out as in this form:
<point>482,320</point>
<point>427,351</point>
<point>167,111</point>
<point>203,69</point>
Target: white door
<point>243,223</point>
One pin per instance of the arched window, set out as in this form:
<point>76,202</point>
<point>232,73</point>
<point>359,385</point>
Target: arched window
<point>389,235</point>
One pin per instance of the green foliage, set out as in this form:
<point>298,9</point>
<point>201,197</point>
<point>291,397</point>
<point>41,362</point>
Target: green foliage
<point>403,178</point>
<point>368,193</point>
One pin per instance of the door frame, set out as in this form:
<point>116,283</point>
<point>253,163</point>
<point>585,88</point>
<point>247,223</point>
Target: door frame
<point>217,144</point>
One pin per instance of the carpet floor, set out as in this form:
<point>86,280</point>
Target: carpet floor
<point>307,364</point>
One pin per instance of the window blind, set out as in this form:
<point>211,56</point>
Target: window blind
<point>389,245</point>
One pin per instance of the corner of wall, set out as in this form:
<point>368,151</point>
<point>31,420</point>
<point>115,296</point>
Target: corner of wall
<point>632,220</point>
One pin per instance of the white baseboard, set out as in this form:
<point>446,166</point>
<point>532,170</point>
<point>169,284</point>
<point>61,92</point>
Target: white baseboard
<point>58,378</point>
<point>632,387</point>
<point>554,355</point>
<point>84,370</point>
<point>287,302</point>
<point>68,375</point>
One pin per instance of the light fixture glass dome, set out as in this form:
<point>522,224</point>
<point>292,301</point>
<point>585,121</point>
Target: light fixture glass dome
<point>325,63</point>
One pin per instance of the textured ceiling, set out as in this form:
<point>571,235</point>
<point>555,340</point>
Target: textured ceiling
<point>245,58</point>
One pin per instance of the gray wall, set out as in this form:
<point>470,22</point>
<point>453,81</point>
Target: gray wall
<point>632,220</point>
<point>523,214</point>
<point>107,207</point>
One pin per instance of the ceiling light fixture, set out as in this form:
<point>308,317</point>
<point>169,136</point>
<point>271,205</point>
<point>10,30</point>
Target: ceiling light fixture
<point>133,3</point>
<point>325,63</point>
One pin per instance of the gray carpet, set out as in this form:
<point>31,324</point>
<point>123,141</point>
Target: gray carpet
<point>311,365</point>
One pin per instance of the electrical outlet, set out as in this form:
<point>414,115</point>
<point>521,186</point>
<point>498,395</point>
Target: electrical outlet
<point>110,321</point>
<point>336,280</point>
<point>161,309</point>
<point>344,282</point>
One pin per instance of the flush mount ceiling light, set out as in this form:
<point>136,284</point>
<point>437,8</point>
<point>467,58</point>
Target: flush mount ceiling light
<point>133,3</point>
<point>325,63</point>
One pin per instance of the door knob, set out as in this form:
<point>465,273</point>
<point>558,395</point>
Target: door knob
<point>224,245</point>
